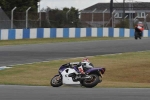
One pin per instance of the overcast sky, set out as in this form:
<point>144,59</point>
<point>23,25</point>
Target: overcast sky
<point>78,4</point>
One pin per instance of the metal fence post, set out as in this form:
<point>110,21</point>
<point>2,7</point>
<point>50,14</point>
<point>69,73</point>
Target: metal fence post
<point>135,19</point>
<point>103,16</point>
<point>113,18</point>
<point>145,19</point>
<point>12,16</point>
<point>125,16</point>
<point>114,23</point>
<point>27,16</point>
<point>92,14</point>
<point>67,14</point>
<point>40,13</point>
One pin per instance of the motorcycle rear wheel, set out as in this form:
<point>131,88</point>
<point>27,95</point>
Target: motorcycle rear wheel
<point>136,35</point>
<point>91,82</point>
<point>56,81</point>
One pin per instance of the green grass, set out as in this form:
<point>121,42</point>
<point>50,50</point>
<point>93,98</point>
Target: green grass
<point>52,40</point>
<point>122,70</point>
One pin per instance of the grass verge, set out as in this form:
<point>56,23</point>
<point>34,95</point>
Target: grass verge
<point>52,40</point>
<point>122,70</point>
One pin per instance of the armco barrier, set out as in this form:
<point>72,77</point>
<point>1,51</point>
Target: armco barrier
<point>10,34</point>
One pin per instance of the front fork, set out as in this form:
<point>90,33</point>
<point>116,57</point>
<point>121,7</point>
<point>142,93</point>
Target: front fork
<point>58,78</point>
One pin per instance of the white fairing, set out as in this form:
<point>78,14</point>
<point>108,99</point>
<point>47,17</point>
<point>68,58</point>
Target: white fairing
<point>66,79</point>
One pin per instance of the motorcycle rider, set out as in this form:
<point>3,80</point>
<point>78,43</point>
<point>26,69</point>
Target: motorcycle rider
<point>139,28</point>
<point>83,65</point>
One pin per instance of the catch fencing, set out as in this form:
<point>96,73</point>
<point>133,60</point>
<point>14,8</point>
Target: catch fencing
<point>20,20</point>
<point>47,19</point>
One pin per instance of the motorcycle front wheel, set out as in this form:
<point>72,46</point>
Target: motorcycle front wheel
<point>92,82</point>
<point>56,81</point>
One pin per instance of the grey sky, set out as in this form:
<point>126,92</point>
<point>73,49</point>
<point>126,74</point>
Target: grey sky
<point>79,4</point>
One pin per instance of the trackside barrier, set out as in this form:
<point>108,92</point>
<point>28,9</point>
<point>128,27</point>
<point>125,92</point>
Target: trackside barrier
<point>11,34</point>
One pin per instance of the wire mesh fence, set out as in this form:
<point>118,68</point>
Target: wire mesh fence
<point>59,20</point>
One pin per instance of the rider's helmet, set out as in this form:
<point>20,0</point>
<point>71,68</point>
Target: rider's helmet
<point>85,60</point>
<point>139,23</point>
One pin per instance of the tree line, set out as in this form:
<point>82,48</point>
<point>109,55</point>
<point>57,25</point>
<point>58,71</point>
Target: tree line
<point>22,5</point>
<point>67,17</point>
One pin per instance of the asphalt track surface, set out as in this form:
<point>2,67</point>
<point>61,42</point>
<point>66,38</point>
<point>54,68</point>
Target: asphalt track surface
<point>21,54</point>
<point>72,93</point>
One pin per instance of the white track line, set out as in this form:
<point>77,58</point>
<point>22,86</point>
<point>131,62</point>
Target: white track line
<point>10,66</point>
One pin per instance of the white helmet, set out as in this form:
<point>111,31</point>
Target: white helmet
<point>85,60</point>
<point>140,22</point>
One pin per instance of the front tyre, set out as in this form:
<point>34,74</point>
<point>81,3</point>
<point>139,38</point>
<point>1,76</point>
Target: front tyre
<point>56,81</point>
<point>92,82</point>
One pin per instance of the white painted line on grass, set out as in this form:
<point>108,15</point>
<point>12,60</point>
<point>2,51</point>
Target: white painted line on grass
<point>4,67</point>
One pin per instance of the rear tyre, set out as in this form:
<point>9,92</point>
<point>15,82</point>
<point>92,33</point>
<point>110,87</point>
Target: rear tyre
<point>56,81</point>
<point>136,35</point>
<point>140,35</point>
<point>92,82</point>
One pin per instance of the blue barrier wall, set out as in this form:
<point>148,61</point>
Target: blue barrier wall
<point>11,34</point>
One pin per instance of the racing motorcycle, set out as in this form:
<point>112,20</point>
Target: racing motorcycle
<point>138,32</point>
<point>69,75</point>
<point>138,35</point>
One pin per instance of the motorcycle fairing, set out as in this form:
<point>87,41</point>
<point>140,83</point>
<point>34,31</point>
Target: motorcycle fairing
<point>66,79</point>
<point>102,70</point>
<point>63,67</point>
